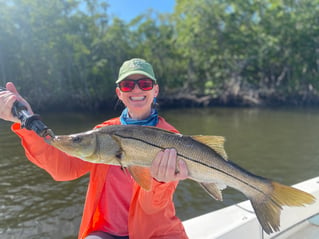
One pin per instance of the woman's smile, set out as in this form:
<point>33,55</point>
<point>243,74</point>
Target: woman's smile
<point>137,98</point>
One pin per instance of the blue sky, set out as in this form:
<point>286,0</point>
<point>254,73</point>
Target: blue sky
<point>128,9</point>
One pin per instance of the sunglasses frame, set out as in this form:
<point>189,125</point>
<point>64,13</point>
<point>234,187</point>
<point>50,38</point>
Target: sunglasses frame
<point>136,82</point>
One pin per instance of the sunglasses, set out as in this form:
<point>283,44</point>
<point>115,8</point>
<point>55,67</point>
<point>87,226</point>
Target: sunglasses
<point>128,85</point>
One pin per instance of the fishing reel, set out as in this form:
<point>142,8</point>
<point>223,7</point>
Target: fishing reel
<point>29,121</point>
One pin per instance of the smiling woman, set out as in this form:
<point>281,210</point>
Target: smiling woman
<point>137,99</point>
<point>116,206</point>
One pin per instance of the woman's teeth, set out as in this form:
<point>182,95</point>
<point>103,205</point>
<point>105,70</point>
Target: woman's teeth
<point>137,98</point>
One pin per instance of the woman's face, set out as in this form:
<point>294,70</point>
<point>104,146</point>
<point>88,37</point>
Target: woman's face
<point>137,101</point>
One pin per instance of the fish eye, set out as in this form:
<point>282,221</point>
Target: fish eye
<point>76,139</point>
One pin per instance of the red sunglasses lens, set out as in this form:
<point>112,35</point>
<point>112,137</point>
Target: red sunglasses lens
<point>126,85</point>
<point>145,84</point>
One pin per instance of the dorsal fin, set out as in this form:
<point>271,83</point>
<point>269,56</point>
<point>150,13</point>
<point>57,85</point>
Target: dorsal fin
<point>214,142</point>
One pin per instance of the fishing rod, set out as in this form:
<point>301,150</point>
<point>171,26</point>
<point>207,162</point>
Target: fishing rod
<point>29,121</point>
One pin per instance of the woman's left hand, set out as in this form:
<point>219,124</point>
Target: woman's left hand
<point>166,168</point>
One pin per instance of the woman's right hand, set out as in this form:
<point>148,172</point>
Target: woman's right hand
<point>7,98</point>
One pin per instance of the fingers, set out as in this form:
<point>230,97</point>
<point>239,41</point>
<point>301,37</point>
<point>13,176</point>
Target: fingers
<point>165,164</point>
<point>165,167</point>
<point>156,164</point>
<point>7,98</point>
<point>6,101</point>
<point>183,170</point>
<point>11,87</point>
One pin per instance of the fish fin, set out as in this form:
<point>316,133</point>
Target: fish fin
<point>213,190</point>
<point>142,176</point>
<point>269,207</point>
<point>214,142</point>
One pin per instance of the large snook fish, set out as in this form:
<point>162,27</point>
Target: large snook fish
<point>134,148</point>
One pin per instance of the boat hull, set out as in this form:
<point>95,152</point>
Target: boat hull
<point>239,221</point>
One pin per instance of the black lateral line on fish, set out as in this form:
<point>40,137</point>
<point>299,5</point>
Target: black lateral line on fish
<point>219,170</point>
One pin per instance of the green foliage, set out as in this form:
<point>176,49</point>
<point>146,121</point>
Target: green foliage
<point>271,45</point>
<point>68,52</point>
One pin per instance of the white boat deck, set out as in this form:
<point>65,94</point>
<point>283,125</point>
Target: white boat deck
<point>239,221</point>
<point>305,230</point>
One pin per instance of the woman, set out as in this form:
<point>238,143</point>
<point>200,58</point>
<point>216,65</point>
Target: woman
<point>115,206</point>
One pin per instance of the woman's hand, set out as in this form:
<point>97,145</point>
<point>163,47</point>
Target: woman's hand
<point>7,98</point>
<point>166,168</point>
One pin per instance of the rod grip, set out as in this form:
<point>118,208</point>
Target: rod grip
<point>29,121</point>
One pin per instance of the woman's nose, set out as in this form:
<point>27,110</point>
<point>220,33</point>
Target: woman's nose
<point>136,88</point>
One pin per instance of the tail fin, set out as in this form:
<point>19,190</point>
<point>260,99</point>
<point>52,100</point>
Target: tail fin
<point>269,208</point>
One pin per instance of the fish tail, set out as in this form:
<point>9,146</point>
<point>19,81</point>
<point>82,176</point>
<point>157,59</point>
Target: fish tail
<point>268,208</point>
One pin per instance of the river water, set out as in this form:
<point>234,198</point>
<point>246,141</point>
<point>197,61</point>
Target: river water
<point>281,144</point>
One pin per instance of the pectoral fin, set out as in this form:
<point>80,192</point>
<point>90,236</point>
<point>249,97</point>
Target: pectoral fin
<point>213,190</point>
<point>142,176</point>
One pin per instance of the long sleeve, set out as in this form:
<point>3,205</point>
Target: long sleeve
<point>158,198</point>
<point>152,214</point>
<point>59,165</point>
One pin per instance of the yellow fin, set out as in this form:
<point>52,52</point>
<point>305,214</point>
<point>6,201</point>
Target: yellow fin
<point>142,176</point>
<point>269,206</point>
<point>214,142</point>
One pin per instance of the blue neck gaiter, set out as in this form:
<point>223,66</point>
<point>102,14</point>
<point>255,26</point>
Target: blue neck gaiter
<point>152,120</point>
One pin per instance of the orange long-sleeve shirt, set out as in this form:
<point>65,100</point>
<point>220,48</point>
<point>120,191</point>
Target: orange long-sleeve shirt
<point>151,214</point>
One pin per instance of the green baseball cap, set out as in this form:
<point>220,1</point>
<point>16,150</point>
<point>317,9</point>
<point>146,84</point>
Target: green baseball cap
<point>136,66</point>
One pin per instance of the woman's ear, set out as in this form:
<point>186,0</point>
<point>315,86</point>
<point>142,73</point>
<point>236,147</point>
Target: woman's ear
<point>156,90</point>
<point>118,93</point>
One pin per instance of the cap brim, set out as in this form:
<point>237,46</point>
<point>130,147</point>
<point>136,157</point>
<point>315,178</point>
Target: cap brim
<point>133,73</point>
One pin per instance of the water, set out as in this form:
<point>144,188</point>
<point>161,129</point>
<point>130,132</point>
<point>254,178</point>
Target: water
<point>281,144</point>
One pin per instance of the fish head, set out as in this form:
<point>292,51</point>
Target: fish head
<point>94,146</point>
<point>81,145</point>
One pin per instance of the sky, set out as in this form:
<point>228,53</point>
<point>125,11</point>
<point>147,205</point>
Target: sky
<point>128,9</point>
